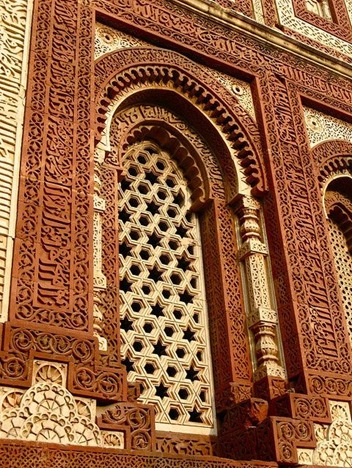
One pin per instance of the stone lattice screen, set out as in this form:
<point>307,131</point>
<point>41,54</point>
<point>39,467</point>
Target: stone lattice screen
<point>163,309</point>
<point>343,264</point>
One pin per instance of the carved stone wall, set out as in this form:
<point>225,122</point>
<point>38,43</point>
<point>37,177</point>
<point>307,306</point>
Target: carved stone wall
<point>108,39</point>
<point>61,313</point>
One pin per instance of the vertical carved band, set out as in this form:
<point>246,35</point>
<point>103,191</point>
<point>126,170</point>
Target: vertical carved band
<point>15,20</point>
<point>51,278</point>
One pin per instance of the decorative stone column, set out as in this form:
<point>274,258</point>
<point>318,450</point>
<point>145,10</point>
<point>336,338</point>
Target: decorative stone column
<point>262,317</point>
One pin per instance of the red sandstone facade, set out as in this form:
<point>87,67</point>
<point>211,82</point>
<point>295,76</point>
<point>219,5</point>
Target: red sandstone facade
<point>280,343</point>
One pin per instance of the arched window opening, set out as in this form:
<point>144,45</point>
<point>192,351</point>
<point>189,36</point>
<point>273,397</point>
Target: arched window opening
<point>164,336</point>
<point>338,204</point>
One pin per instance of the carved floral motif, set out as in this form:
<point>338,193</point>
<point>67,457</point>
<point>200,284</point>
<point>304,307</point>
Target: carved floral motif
<point>47,412</point>
<point>334,446</point>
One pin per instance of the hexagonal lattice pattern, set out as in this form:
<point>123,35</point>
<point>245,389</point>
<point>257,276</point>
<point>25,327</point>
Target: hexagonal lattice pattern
<point>343,263</point>
<point>163,310</point>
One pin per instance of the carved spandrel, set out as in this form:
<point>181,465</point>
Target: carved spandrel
<point>322,127</point>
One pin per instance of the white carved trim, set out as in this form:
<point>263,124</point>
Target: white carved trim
<point>258,11</point>
<point>262,317</point>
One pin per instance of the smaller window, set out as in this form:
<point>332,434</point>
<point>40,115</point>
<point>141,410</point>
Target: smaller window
<point>319,7</point>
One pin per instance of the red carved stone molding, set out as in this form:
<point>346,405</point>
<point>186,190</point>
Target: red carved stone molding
<point>279,438</point>
<point>19,454</point>
<point>177,444</point>
<point>299,406</point>
<point>270,12</point>
<point>269,388</point>
<point>330,385</point>
<point>243,6</point>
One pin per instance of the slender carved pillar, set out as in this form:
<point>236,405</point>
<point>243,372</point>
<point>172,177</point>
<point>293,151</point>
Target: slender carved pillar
<point>262,318</point>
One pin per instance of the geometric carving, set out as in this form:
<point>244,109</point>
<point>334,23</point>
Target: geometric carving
<point>126,129</point>
<point>245,153</point>
<point>163,311</point>
<point>338,206</point>
<point>343,263</point>
<point>48,412</point>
